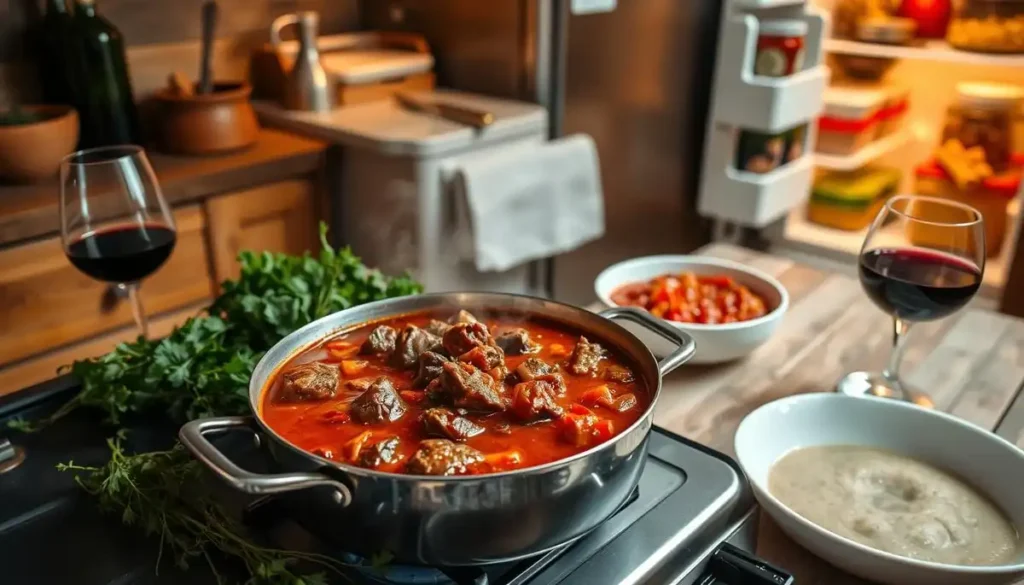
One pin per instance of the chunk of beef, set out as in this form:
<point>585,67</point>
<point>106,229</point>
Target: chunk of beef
<point>463,337</point>
<point>485,357</point>
<point>385,451</point>
<point>531,368</point>
<point>585,357</point>
<point>463,316</point>
<point>516,342</point>
<point>309,381</point>
<point>535,400</point>
<point>464,386</point>
<point>360,384</point>
<point>411,344</point>
<point>380,403</point>
<point>380,341</point>
<point>618,374</point>
<point>443,457</point>
<point>430,367</point>
<point>438,328</point>
<point>441,422</point>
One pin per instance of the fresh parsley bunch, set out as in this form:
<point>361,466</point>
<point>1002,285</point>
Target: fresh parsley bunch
<point>202,369</point>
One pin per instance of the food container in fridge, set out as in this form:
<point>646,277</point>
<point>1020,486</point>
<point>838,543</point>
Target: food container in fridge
<point>990,197</point>
<point>850,119</point>
<point>894,112</point>
<point>780,47</point>
<point>988,26</point>
<point>761,152</point>
<point>886,30</point>
<point>987,115</point>
<point>859,67</point>
<point>850,200</point>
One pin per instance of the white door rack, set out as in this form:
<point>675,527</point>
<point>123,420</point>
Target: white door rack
<point>744,101</point>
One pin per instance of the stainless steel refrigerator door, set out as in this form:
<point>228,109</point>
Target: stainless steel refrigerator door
<point>638,80</point>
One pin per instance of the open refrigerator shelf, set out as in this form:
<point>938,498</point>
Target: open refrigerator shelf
<point>803,236</point>
<point>929,51</point>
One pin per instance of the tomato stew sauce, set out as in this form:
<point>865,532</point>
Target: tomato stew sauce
<point>692,298</point>
<point>423,396</point>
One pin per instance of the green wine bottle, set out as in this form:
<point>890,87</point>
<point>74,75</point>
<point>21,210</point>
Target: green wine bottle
<point>106,105</point>
<point>55,73</point>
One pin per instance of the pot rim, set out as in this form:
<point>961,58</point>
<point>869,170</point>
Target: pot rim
<point>256,394</point>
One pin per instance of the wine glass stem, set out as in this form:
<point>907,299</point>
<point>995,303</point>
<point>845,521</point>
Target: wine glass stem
<point>899,339</point>
<point>138,312</point>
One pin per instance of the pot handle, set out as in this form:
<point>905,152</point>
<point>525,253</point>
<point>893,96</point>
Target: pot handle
<point>193,436</point>
<point>682,354</point>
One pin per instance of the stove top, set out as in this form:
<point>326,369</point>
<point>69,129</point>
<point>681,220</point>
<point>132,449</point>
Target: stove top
<point>690,521</point>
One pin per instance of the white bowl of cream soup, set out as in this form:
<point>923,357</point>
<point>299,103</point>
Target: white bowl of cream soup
<point>889,491</point>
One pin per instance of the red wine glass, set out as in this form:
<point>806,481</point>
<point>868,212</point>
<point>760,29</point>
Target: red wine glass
<point>922,260</point>
<point>114,222</point>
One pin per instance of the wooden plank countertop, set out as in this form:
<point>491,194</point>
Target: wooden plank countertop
<point>31,211</point>
<point>972,364</point>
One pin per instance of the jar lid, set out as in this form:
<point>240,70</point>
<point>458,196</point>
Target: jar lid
<point>783,27</point>
<point>984,95</point>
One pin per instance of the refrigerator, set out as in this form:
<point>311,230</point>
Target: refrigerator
<point>637,79</point>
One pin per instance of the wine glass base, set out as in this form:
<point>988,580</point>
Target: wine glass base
<point>871,384</point>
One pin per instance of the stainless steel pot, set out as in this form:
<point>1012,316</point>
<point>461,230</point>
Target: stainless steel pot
<point>461,520</point>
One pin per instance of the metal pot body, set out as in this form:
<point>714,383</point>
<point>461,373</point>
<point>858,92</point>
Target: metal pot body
<point>452,521</point>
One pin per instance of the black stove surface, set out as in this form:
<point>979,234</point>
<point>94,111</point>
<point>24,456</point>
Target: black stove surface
<point>51,532</point>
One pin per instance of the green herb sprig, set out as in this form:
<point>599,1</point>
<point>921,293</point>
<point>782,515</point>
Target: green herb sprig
<point>202,369</point>
<point>163,493</point>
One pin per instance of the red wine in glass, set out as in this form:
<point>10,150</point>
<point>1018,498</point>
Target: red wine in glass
<point>922,259</point>
<point>114,222</point>
<point>918,285</point>
<point>122,253</point>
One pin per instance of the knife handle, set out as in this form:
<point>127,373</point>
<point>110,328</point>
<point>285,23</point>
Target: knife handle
<point>209,23</point>
<point>467,116</point>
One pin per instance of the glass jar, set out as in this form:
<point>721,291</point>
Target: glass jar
<point>988,26</point>
<point>987,115</point>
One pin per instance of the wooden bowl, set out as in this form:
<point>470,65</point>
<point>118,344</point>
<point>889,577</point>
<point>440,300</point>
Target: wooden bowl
<point>213,123</point>
<point>33,151</point>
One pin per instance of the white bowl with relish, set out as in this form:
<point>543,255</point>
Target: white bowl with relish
<point>630,283</point>
<point>887,490</point>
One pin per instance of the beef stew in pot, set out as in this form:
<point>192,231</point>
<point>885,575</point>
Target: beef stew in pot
<point>454,394</point>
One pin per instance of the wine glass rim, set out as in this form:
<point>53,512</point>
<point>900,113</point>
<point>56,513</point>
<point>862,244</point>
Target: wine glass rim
<point>102,154</point>
<point>940,201</point>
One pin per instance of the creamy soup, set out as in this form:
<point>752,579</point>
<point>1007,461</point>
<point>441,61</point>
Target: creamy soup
<point>895,504</point>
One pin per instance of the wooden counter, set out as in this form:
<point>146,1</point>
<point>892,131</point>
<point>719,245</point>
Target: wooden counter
<point>268,197</point>
<point>30,211</point>
<point>971,364</point>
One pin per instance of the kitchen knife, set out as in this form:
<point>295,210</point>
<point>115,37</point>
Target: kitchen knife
<point>462,115</point>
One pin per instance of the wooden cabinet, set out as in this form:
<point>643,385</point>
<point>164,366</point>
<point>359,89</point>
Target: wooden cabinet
<point>51,314</point>
<point>277,218</point>
<point>45,302</point>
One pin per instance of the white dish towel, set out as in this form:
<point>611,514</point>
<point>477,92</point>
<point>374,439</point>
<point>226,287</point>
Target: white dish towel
<point>530,202</point>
